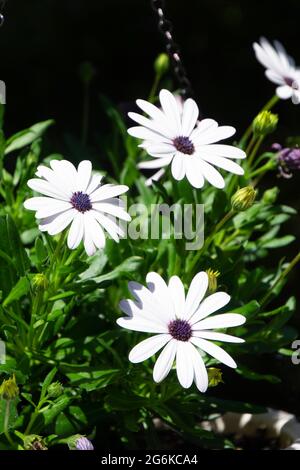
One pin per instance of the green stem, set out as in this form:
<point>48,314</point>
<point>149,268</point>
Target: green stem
<point>6,423</point>
<point>210,238</point>
<point>255,150</point>
<point>154,88</point>
<point>283,275</point>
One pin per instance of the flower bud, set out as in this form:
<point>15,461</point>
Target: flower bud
<point>214,376</point>
<point>243,198</point>
<point>288,161</point>
<point>55,390</point>
<point>161,64</point>
<point>40,282</point>
<point>212,280</point>
<point>34,442</point>
<point>9,389</point>
<point>270,195</point>
<point>79,442</point>
<point>265,123</point>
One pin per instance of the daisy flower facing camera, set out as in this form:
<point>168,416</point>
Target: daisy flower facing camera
<point>173,136</point>
<point>182,326</point>
<point>77,197</point>
<point>281,69</point>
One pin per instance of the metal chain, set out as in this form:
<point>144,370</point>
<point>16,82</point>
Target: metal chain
<point>165,27</point>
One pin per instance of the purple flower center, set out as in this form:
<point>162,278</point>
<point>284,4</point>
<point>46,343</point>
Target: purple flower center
<point>81,201</point>
<point>184,145</point>
<point>291,82</point>
<point>180,330</point>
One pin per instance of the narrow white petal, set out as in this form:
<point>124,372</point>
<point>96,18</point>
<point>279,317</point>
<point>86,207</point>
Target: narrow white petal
<point>200,372</point>
<point>171,109</point>
<point>155,177</point>
<point>148,348</point>
<point>138,312</point>
<point>44,187</point>
<point>146,134</point>
<point>89,245</point>
<point>189,117</point>
<point>177,294</point>
<point>284,92</point>
<point>224,163</point>
<point>205,125</point>
<point>110,225</point>
<point>159,288</point>
<point>156,163</point>
<point>214,351</point>
<point>184,363</point>
<point>193,172</point>
<point>57,223</point>
<point>159,150</point>
<point>212,175</point>
<point>95,230</point>
<point>94,184</point>
<point>178,166</point>
<point>221,150</point>
<point>84,172</point>
<point>155,113</point>
<point>215,336</point>
<point>56,180</point>
<point>274,77</point>
<point>224,320</point>
<point>165,361</point>
<point>212,136</point>
<point>140,325</point>
<point>51,208</point>
<point>210,305</point>
<point>108,190</point>
<point>195,293</point>
<point>112,209</point>
<point>76,231</point>
<point>157,125</point>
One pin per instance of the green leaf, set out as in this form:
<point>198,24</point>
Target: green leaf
<point>21,259</point>
<point>93,379</point>
<point>279,242</point>
<point>40,250</point>
<point>130,265</point>
<point>48,380</point>
<point>19,290</point>
<point>250,374</point>
<point>27,136</point>
<point>8,407</point>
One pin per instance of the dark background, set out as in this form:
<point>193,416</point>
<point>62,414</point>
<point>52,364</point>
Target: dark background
<point>43,43</point>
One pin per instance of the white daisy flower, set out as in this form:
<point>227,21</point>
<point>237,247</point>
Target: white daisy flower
<point>77,197</point>
<point>281,69</point>
<point>181,326</point>
<point>173,136</point>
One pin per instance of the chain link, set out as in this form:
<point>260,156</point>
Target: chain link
<point>165,27</point>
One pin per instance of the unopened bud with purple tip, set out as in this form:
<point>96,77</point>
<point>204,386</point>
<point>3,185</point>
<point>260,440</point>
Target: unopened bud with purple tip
<point>84,444</point>
<point>288,159</point>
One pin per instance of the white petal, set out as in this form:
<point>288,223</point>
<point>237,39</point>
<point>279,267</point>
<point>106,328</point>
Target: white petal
<point>284,92</point>
<point>148,348</point>
<point>141,325</point>
<point>212,136</point>
<point>152,305</point>
<point>224,163</point>
<point>56,180</point>
<point>155,177</point>
<point>195,293</point>
<point>66,171</point>
<point>84,175</point>
<point>214,351</point>
<point>224,320</point>
<point>159,150</point>
<point>212,175</point>
<point>51,208</point>
<point>76,231</point>
<point>209,305</point>
<point>193,172</point>
<point>143,314</point>
<point>56,224</point>
<point>189,117</point>
<point>157,125</point>
<point>159,288</point>
<point>146,134</point>
<point>112,209</point>
<point>206,125</point>
<point>108,190</point>
<point>89,245</point>
<point>177,294</point>
<point>171,110</point>
<point>184,363</point>
<point>94,184</point>
<point>274,77</point>
<point>95,230</point>
<point>178,166</point>
<point>155,113</point>
<point>221,150</point>
<point>156,163</point>
<point>44,187</point>
<point>215,336</point>
<point>112,228</point>
<point>200,372</point>
<point>165,361</point>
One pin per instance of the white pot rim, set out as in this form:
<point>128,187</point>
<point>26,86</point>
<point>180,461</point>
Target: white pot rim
<point>277,423</point>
